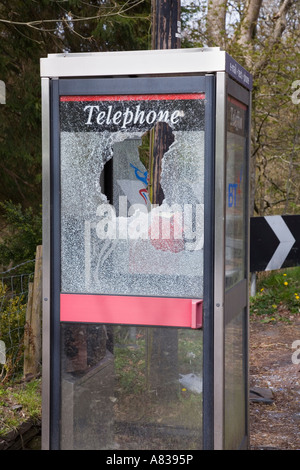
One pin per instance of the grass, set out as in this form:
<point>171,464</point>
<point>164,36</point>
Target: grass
<point>278,296</point>
<point>19,402</point>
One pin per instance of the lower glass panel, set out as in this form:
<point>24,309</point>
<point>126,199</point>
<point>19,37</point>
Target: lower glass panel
<point>127,387</point>
<point>235,381</point>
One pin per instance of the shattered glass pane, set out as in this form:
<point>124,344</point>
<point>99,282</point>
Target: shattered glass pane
<point>132,195</point>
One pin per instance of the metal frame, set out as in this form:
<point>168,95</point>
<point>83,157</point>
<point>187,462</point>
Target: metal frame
<point>208,287</point>
<point>46,262</point>
<point>219,266</point>
<point>55,279</point>
<point>171,61</point>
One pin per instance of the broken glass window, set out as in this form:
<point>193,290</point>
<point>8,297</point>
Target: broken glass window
<point>132,195</point>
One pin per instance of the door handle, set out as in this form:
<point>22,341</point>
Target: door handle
<point>197,314</point>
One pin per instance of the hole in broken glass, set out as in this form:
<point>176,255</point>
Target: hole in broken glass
<point>154,144</point>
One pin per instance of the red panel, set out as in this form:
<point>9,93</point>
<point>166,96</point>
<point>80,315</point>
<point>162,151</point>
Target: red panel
<point>171,96</point>
<point>156,311</point>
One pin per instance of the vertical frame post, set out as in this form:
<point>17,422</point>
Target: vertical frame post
<point>247,351</point>
<point>208,308</point>
<point>219,262</point>
<point>46,263</point>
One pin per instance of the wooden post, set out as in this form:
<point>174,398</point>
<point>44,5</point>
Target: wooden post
<point>166,25</point>
<point>27,332</point>
<point>33,338</point>
<point>162,343</point>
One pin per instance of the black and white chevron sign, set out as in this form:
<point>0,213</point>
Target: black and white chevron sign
<point>274,242</point>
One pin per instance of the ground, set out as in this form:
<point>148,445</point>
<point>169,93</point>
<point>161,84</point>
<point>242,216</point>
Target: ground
<point>277,425</point>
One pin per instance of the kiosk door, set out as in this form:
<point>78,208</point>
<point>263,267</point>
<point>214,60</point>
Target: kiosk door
<point>131,231</point>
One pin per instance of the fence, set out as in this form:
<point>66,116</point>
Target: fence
<point>20,319</point>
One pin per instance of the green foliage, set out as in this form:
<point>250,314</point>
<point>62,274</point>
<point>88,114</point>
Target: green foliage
<point>130,361</point>
<point>120,25</point>
<point>12,322</point>
<point>271,54</point>
<point>24,234</point>
<point>193,19</point>
<point>130,368</point>
<point>31,30</point>
<point>127,31</point>
<point>27,396</point>
<point>190,350</point>
<point>278,296</point>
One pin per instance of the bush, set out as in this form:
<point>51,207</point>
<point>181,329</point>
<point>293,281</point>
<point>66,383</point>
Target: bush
<point>24,233</point>
<point>278,296</point>
<point>12,323</point>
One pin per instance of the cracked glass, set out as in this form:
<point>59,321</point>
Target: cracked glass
<point>132,195</point>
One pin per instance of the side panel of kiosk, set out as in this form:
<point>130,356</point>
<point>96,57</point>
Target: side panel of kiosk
<point>231,264</point>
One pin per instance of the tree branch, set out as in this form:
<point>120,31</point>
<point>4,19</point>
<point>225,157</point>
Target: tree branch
<point>38,24</point>
<point>248,24</point>
<point>248,27</point>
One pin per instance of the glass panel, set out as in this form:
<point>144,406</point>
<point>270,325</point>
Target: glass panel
<point>132,195</point>
<point>120,392</point>
<point>235,399</point>
<point>235,197</point>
